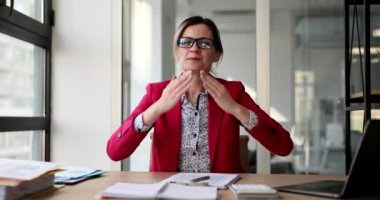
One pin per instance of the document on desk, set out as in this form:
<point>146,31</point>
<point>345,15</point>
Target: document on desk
<point>219,180</point>
<point>160,190</point>
<point>177,191</point>
<point>132,190</point>
<point>73,174</point>
<point>24,169</point>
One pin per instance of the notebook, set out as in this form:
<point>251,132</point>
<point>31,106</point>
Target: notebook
<point>219,180</point>
<point>160,190</point>
<point>361,177</point>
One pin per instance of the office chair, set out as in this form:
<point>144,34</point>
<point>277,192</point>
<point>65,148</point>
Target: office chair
<point>243,145</point>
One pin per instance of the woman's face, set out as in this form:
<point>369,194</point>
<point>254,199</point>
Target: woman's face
<point>195,58</point>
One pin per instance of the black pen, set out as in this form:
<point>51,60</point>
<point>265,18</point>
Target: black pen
<point>202,178</point>
<point>191,183</point>
<point>194,182</point>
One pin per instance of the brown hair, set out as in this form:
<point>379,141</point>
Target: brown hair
<point>198,20</point>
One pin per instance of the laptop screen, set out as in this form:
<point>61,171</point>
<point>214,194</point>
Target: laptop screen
<point>366,163</point>
<point>363,172</point>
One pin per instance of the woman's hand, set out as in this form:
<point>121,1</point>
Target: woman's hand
<point>223,98</point>
<point>220,94</point>
<point>170,96</point>
<point>174,90</point>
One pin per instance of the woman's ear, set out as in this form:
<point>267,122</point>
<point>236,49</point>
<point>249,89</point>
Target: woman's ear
<point>217,56</point>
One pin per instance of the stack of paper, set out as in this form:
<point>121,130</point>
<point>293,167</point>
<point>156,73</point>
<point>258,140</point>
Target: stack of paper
<point>19,178</point>
<point>72,175</point>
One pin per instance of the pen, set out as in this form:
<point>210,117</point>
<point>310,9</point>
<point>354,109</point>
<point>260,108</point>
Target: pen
<point>163,187</point>
<point>194,182</point>
<point>190,183</point>
<point>202,178</point>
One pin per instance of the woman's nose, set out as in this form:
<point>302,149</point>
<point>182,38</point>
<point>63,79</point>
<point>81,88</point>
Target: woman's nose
<point>194,47</point>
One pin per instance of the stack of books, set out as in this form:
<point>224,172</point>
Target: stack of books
<point>20,178</point>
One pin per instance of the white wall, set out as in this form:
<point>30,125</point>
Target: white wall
<point>81,82</point>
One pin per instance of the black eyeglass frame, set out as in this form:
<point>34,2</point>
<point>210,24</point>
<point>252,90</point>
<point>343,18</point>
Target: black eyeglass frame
<point>198,41</point>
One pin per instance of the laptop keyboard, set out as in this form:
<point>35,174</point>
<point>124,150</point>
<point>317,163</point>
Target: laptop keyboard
<point>328,186</point>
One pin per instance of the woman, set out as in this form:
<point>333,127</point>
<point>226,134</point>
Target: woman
<point>196,117</point>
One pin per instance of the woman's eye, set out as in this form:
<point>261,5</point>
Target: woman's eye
<point>205,44</point>
<point>187,43</point>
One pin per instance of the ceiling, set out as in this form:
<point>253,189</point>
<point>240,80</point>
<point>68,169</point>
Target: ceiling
<point>233,16</point>
<point>239,15</point>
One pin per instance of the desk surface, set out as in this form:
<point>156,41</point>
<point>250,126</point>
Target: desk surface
<point>90,188</point>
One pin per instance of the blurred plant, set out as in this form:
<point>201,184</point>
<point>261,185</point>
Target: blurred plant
<point>378,53</point>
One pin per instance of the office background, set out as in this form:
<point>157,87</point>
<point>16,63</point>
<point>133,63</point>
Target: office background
<point>104,53</point>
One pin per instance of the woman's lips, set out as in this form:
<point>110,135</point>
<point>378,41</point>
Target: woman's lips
<point>193,58</point>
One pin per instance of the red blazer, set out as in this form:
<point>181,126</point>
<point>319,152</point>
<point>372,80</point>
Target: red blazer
<point>223,133</point>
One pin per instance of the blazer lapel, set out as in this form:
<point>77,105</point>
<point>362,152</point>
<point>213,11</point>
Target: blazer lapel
<point>175,116</point>
<point>214,122</point>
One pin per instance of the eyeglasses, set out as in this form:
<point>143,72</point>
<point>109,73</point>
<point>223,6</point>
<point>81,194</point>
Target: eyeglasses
<point>202,43</point>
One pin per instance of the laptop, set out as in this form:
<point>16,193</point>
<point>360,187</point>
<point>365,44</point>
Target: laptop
<point>363,174</point>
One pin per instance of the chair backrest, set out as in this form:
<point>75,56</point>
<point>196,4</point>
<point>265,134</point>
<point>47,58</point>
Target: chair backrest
<point>244,152</point>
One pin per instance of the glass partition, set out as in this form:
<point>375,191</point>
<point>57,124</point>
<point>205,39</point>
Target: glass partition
<point>307,83</point>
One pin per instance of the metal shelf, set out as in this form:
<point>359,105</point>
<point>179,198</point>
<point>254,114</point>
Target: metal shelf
<point>368,99</point>
<point>359,97</point>
<point>361,106</point>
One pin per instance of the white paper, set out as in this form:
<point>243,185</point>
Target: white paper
<point>132,190</point>
<point>219,180</point>
<point>24,169</point>
<point>74,172</point>
<point>177,191</point>
<point>162,190</point>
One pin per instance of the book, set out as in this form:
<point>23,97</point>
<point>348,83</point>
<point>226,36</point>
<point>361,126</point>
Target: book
<point>247,191</point>
<point>72,175</point>
<point>19,178</point>
<point>219,180</point>
<point>26,188</point>
<point>160,190</point>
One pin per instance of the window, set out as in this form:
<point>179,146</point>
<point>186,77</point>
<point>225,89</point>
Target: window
<point>307,69</point>
<point>25,48</point>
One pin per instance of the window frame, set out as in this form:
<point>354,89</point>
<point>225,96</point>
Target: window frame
<point>20,26</point>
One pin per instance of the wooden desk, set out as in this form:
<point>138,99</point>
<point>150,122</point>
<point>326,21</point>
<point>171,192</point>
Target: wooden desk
<point>90,188</point>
